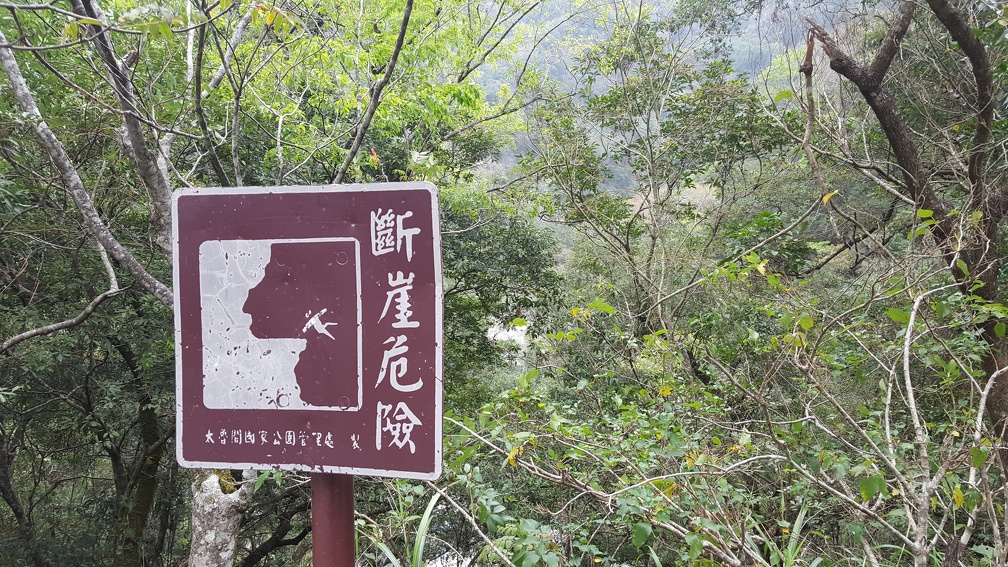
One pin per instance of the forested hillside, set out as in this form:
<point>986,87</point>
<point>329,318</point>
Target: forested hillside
<point>751,253</point>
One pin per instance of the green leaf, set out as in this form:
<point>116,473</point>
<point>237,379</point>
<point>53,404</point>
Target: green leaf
<point>952,370</point>
<point>941,308</point>
<point>962,266</point>
<point>958,497</point>
<point>600,305</point>
<point>695,542</point>
<point>641,533</point>
<point>978,457</point>
<point>261,479</point>
<point>973,499</point>
<point>526,379</point>
<point>812,463</point>
<point>519,322</point>
<point>999,329</point>
<point>872,486</point>
<point>784,95</point>
<point>925,213</point>
<point>898,315</point>
<point>165,30</point>
<point>70,31</point>
<point>806,322</point>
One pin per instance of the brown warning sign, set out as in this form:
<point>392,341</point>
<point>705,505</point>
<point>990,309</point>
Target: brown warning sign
<point>308,329</point>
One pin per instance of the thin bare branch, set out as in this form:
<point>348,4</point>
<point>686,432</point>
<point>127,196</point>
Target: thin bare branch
<point>376,92</point>
<point>55,327</point>
<point>74,184</point>
<point>228,53</point>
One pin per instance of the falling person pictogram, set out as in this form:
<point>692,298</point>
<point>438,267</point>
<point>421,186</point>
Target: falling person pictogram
<point>315,322</point>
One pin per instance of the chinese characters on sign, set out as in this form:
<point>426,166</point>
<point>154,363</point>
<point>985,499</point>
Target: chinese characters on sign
<point>263,437</point>
<point>395,362</point>
<point>308,321</point>
<point>388,233</point>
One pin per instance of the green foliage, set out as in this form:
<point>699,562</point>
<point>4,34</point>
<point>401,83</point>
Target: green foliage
<point>415,555</point>
<point>649,451</point>
<point>87,413</point>
<point>789,254</point>
<point>497,265</point>
<point>694,385</point>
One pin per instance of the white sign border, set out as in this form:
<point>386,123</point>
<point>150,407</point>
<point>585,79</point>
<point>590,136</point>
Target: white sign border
<point>438,317</point>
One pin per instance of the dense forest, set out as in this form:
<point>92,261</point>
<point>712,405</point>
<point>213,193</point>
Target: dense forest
<point>722,280</point>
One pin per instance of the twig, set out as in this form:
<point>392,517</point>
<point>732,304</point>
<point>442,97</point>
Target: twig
<point>472,522</point>
<point>49,329</point>
<point>375,96</point>
<point>57,154</point>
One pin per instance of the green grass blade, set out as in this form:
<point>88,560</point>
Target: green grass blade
<point>385,549</point>
<point>422,529</point>
<point>654,556</point>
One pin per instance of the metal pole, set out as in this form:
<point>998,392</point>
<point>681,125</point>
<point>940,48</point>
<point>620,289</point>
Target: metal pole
<point>332,520</point>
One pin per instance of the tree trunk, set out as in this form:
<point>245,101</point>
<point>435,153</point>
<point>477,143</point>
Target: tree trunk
<point>216,517</point>
<point>981,255</point>
<point>26,527</point>
<point>142,490</point>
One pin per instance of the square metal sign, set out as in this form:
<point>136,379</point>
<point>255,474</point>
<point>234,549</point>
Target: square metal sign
<point>308,328</point>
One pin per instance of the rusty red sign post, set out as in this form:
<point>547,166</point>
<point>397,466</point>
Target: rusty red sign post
<point>308,336</point>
